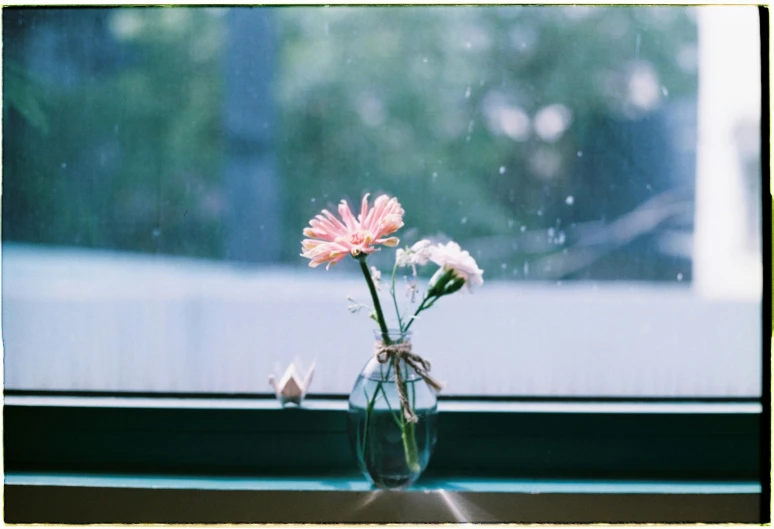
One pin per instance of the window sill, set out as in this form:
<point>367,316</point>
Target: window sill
<point>672,441</point>
<point>119,459</point>
<point>73,498</point>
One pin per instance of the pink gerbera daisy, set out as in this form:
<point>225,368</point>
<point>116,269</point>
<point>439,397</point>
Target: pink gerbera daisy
<point>331,239</point>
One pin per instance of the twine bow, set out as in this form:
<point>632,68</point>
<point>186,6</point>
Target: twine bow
<point>384,353</point>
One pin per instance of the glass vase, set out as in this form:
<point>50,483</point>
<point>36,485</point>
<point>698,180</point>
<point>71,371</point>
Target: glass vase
<point>392,450</point>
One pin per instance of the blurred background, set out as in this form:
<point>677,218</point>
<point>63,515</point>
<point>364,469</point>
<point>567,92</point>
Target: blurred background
<point>602,164</point>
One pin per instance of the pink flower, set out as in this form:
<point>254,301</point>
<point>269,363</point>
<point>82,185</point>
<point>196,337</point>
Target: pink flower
<point>330,239</point>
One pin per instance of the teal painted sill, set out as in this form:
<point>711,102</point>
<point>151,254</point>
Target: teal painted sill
<point>359,484</point>
<point>111,499</point>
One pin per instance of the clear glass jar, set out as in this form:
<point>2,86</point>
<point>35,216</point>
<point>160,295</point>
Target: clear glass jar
<point>392,452</point>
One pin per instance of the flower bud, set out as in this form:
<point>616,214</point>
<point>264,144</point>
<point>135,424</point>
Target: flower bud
<point>437,285</point>
<point>454,285</point>
<point>445,282</point>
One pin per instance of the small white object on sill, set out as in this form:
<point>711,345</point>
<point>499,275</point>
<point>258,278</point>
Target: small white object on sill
<point>291,389</point>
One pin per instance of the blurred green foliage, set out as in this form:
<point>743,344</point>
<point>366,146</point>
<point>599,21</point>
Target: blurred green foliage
<point>132,157</point>
<point>403,100</point>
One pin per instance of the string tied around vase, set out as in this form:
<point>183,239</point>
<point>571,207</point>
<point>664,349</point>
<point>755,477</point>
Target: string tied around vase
<point>395,352</point>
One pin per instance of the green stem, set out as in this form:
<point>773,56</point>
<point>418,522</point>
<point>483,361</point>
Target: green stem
<point>389,407</point>
<point>369,409</point>
<point>375,297</point>
<point>394,299</point>
<point>413,392</point>
<point>407,432</point>
<point>372,403</point>
<point>410,447</point>
<point>420,309</point>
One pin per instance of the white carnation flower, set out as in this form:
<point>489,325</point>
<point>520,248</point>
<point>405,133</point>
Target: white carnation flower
<point>418,254</point>
<point>451,257</point>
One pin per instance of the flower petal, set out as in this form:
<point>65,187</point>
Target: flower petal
<point>346,215</point>
<point>390,241</point>
<point>363,209</point>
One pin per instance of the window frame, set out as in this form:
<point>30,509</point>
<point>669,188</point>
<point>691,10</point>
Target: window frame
<point>666,440</point>
<point>710,441</point>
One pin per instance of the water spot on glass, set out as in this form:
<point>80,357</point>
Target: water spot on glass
<point>552,121</point>
<point>679,277</point>
<point>424,59</point>
<point>63,165</point>
<point>467,138</point>
<point>470,126</point>
<point>349,61</point>
<point>502,169</point>
<point>481,82</point>
<point>312,200</point>
<point>558,283</point>
<point>526,269</point>
<point>464,220</point>
<point>637,47</point>
<point>510,223</point>
<point>156,232</point>
<point>467,93</point>
<point>503,266</point>
<point>664,91</point>
<point>523,229</point>
<point>325,195</point>
<point>468,45</point>
<point>648,187</point>
<point>560,238</point>
<point>570,200</point>
<point>550,233</point>
<point>580,154</point>
<point>540,212</point>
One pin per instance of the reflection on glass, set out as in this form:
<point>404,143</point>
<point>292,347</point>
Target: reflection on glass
<point>173,154</point>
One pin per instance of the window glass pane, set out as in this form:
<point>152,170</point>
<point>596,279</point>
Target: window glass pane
<point>601,164</point>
